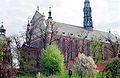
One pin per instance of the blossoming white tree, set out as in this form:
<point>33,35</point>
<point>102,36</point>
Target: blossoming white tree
<point>85,66</point>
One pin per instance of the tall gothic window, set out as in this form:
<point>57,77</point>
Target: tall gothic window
<point>76,48</point>
<point>63,48</point>
<point>71,51</point>
<point>88,49</point>
<point>105,53</point>
<point>58,43</point>
<point>85,49</point>
<point>63,45</point>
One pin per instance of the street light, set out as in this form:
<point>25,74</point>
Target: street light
<point>118,55</point>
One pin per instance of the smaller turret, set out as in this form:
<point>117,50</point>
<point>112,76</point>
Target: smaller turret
<point>28,34</point>
<point>2,30</point>
<point>49,21</point>
<point>50,17</point>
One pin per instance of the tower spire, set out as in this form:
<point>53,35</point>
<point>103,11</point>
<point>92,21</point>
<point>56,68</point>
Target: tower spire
<point>87,16</point>
<point>50,13</point>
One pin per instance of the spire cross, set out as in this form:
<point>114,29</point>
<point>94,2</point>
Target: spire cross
<point>2,22</point>
<point>49,13</point>
<point>38,8</point>
<point>49,9</point>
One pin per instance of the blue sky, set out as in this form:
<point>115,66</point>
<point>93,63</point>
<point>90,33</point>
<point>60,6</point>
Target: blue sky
<point>105,13</point>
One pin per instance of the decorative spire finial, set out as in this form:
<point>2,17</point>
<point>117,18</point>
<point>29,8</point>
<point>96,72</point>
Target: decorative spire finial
<point>49,13</point>
<point>37,7</point>
<point>49,9</point>
<point>2,24</point>
<point>28,25</point>
<point>109,31</point>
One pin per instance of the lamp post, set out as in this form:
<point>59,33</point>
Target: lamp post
<point>70,73</point>
<point>118,55</point>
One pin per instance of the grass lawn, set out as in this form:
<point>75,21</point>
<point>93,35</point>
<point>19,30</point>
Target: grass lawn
<point>98,75</point>
<point>25,76</point>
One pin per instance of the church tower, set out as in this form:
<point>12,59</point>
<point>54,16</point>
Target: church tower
<point>88,25</point>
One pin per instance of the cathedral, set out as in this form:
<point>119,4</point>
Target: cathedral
<point>70,39</point>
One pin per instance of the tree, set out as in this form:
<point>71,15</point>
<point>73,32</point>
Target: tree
<point>17,41</point>
<point>52,60</point>
<point>97,49</point>
<point>114,45</point>
<point>112,67</point>
<point>42,29</point>
<point>5,50</point>
<point>3,47</point>
<point>84,66</point>
<point>6,69</point>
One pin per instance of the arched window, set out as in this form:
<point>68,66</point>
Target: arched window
<point>63,45</point>
<point>105,53</point>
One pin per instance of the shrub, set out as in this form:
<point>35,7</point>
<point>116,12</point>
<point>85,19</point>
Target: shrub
<point>112,67</point>
<point>7,71</point>
<point>52,60</point>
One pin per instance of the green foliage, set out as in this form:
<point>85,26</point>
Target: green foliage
<point>97,49</point>
<point>25,76</point>
<point>101,74</point>
<point>3,46</point>
<point>115,47</point>
<point>74,75</point>
<point>112,67</point>
<point>88,74</point>
<point>65,75</point>
<point>26,62</point>
<point>52,60</point>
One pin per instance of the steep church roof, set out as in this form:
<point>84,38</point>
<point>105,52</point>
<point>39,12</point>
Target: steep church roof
<point>37,16</point>
<point>76,31</point>
<point>80,32</point>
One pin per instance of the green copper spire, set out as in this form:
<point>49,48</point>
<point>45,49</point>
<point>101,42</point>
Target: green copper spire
<point>88,25</point>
